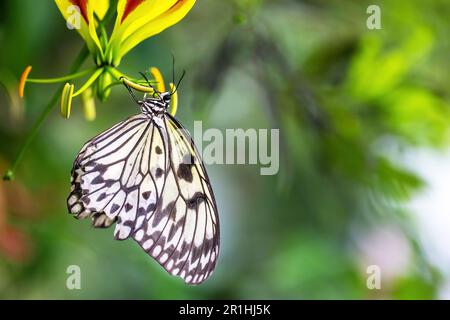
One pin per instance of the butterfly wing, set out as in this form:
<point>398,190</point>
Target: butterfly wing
<point>183,232</point>
<point>146,175</point>
<point>114,176</point>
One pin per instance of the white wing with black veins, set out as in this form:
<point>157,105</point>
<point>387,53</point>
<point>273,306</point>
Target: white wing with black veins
<point>146,175</point>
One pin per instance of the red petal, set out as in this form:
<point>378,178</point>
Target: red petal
<point>82,4</point>
<point>175,4</point>
<point>129,7</point>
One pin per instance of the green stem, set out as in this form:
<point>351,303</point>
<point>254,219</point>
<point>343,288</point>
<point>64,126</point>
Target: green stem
<point>9,175</point>
<point>63,79</point>
<point>89,82</point>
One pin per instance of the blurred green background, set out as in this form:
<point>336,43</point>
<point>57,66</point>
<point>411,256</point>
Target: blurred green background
<point>364,118</point>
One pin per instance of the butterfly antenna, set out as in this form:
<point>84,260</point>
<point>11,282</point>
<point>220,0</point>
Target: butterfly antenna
<point>131,92</point>
<point>179,82</point>
<point>149,84</point>
<point>173,69</point>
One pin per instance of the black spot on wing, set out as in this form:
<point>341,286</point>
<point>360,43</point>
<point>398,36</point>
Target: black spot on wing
<point>151,207</point>
<point>129,223</point>
<point>101,196</point>
<point>98,180</point>
<point>161,213</point>
<point>196,199</point>
<point>101,168</point>
<point>146,194</point>
<point>158,150</point>
<point>85,200</point>
<point>114,207</point>
<point>159,172</point>
<point>185,172</point>
<point>109,182</point>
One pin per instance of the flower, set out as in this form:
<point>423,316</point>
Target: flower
<point>136,21</point>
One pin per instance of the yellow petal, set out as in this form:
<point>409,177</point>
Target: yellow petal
<point>91,5</point>
<point>79,15</point>
<point>66,100</point>
<point>133,14</point>
<point>138,20</point>
<point>167,19</point>
<point>74,21</point>
<point>100,8</point>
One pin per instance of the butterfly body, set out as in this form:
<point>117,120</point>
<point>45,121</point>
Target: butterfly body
<point>157,105</point>
<point>146,176</point>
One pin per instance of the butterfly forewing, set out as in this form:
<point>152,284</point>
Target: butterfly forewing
<point>146,174</point>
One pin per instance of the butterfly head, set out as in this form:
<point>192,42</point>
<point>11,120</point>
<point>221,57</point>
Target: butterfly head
<point>157,103</point>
